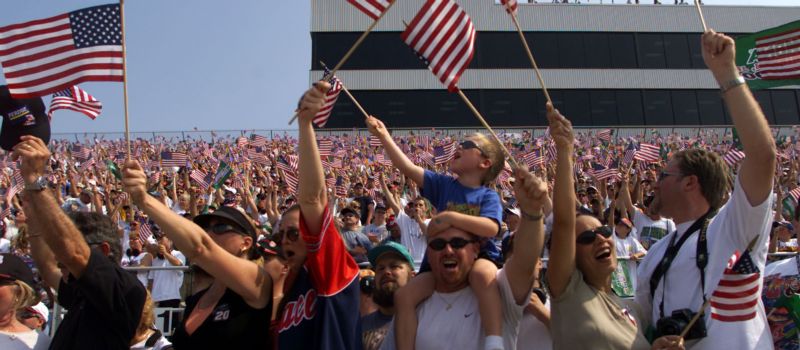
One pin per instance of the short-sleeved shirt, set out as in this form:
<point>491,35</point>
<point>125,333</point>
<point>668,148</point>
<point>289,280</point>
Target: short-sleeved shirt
<point>104,307</point>
<point>584,315</point>
<point>446,193</point>
<point>354,239</point>
<point>167,283</point>
<point>649,231</point>
<point>374,328</point>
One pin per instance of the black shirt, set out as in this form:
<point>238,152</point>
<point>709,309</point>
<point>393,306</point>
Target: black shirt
<point>104,307</point>
<point>231,325</point>
<point>364,202</point>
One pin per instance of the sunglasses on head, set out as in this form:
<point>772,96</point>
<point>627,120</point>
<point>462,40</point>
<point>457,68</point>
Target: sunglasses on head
<point>469,144</point>
<point>291,233</point>
<point>456,243</point>
<point>588,236</point>
<point>222,228</point>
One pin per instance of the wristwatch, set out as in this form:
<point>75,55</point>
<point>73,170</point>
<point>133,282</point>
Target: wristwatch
<point>730,84</point>
<point>39,184</point>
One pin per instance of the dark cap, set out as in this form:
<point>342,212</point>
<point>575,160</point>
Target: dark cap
<point>24,116</point>
<point>349,210</point>
<point>268,246</point>
<point>390,247</point>
<point>12,268</point>
<point>380,207</point>
<point>231,214</point>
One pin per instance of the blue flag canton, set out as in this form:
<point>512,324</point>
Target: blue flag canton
<point>63,93</point>
<point>745,265</point>
<point>96,26</point>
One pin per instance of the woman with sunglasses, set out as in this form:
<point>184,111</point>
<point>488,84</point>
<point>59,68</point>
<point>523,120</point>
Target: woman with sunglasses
<point>584,308</point>
<point>234,311</point>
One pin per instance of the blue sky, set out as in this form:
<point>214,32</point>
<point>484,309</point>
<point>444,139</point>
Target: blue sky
<point>213,65</point>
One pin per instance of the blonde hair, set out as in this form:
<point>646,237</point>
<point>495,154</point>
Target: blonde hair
<point>21,240</point>
<point>24,295</point>
<point>494,152</point>
<point>148,316</point>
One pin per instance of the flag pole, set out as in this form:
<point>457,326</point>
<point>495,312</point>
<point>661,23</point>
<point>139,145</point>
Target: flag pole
<point>700,12</point>
<point>350,52</point>
<point>695,318</point>
<point>366,115</point>
<point>530,56</point>
<point>125,77</point>
<point>486,125</point>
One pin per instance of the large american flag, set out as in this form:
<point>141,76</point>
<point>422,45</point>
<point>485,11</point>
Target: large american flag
<point>733,156</point>
<point>534,159</point>
<point>736,298</point>
<point>174,159</point>
<point>778,55</point>
<point>52,54</point>
<point>648,153</point>
<point>372,8</point>
<point>443,154</point>
<point>442,35</point>
<point>330,99</point>
<point>75,99</point>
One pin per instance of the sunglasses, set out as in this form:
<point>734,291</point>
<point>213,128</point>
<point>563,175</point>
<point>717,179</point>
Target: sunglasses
<point>222,228</point>
<point>663,174</point>
<point>455,243</point>
<point>469,144</point>
<point>292,234</point>
<point>588,236</point>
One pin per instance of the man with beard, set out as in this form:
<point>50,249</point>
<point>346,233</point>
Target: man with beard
<point>393,266</point>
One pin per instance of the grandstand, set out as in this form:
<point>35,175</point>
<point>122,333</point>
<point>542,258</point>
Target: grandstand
<point>605,65</point>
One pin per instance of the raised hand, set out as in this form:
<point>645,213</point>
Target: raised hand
<point>35,157</point>
<point>719,53</point>
<point>134,181</point>
<point>530,191</point>
<point>376,127</point>
<point>560,128</point>
<point>312,101</point>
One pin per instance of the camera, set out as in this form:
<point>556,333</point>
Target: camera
<point>674,325</point>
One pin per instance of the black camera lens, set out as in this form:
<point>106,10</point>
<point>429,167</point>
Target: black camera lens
<point>367,284</point>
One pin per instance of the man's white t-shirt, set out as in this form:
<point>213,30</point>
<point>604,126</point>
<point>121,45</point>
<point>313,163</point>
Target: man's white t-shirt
<point>412,237</point>
<point>31,340</point>
<point>167,283</point>
<point>135,262</point>
<point>452,320</point>
<point>533,334</point>
<point>649,231</point>
<point>732,229</point>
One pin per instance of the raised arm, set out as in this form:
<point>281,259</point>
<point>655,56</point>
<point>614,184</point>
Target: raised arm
<point>757,169</point>
<point>242,276</point>
<point>562,245</point>
<point>312,195</point>
<point>391,200</point>
<point>415,172</point>
<point>531,193</point>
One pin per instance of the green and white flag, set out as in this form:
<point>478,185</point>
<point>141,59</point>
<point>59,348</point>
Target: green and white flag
<point>770,57</point>
<point>621,282</point>
<point>223,172</point>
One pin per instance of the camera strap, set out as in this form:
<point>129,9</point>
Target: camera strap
<point>673,249</point>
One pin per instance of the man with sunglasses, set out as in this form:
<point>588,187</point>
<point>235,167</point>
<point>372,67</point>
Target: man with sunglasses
<point>717,257</point>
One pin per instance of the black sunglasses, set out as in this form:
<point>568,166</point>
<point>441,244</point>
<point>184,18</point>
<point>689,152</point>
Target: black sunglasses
<point>469,144</point>
<point>456,243</point>
<point>588,236</point>
<point>222,228</point>
<point>291,233</point>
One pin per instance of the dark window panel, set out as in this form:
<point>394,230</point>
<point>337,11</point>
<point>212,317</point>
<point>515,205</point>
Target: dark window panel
<point>629,107</point>
<point>710,108</point>
<point>622,47</point>
<point>544,47</point>
<point>785,106</point>
<point>764,100</point>
<point>571,50</point>
<point>684,105</point>
<point>658,107</point>
<point>597,50</point>
<point>489,44</point>
<point>651,50</point>
<point>604,108</point>
<point>676,50</point>
<point>695,51</point>
<point>577,107</point>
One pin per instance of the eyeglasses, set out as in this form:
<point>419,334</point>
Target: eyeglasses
<point>663,174</point>
<point>456,243</point>
<point>222,228</point>
<point>469,144</point>
<point>291,233</point>
<point>588,236</point>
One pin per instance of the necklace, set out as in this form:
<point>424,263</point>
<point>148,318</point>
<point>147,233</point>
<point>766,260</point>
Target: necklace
<point>451,302</point>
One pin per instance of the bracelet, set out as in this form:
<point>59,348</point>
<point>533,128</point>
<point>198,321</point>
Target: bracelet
<point>530,217</point>
<point>726,86</point>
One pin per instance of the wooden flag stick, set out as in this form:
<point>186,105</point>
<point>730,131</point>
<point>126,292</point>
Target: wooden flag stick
<point>125,77</point>
<point>366,115</point>
<point>695,318</point>
<point>486,125</point>
<point>530,56</point>
<point>700,12</point>
<point>350,52</point>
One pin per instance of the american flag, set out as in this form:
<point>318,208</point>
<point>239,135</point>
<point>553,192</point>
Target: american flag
<point>284,165</point>
<point>257,155</point>
<point>16,186</point>
<point>630,153</point>
<point>424,141</point>
<point>241,141</point>
<point>81,153</point>
<point>330,99</point>
<point>443,154</point>
<point>795,193</point>
<point>341,190</point>
<point>426,157</point>
<point>292,160</point>
<point>510,5</point>
<point>736,298</point>
<point>372,8</point>
<point>202,178</point>
<point>778,55</point>
<point>291,181</point>
<point>534,159</point>
<point>604,135</point>
<point>52,54</point>
<point>733,156</point>
<point>337,163</point>
<point>77,100</point>
<point>258,140</point>
<point>552,151</point>
<point>375,142</point>
<point>325,147</point>
<point>442,35</point>
<point>648,153</point>
<point>87,164</point>
<point>145,232</point>
<point>173,159</point>
<point>601,173</point>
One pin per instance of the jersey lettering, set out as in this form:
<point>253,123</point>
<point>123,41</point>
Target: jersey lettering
<point>304,308</point>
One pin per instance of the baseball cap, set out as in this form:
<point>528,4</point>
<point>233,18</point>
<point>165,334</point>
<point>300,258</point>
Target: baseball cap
<point>389,247</point>
<point>39,309</point>
<point>22,117</point>
<point>230,214</point>
<point>349,210</point>
<point>12,268</point>
<point>784,223</point>
<point>268,246</point>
